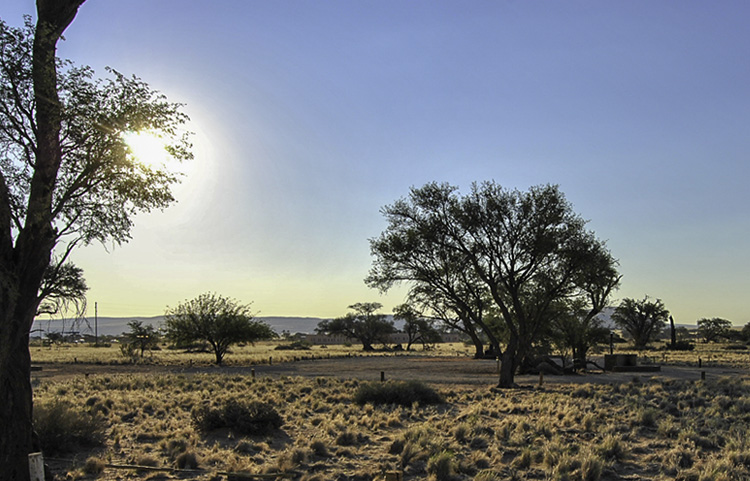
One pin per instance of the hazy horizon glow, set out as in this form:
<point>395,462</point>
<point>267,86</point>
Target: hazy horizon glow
<point>311,116</point>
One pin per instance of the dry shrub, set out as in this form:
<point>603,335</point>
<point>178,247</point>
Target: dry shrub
<point>402,393</point>
<point>680,457</point>
<point>461,432</point>
<point>441,466</point>
<point>647,417</point>
<point>583,392</point>
<point>523,460</point>
<point>612,448</point>
<point>346,438</point>
<point>291,459</point>
<point>250,419</point>
<point>410,453</point>
<point>187,460</point>
<point>591,467</point>
<point>146,461</point>
<point>487,475</point>
<point>62,428</point>
<point>94,466</point>
<point>479,460</point>
<point>175,447</point>
<point>320,448</point>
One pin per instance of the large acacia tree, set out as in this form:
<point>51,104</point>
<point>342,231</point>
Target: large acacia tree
<point>527,250</point>
<point>67,178</point>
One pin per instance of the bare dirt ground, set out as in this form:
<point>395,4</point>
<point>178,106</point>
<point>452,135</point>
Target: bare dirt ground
<point>442,370</point>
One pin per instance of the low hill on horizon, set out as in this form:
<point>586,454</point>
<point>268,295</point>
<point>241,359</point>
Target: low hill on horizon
<point>115,326</point>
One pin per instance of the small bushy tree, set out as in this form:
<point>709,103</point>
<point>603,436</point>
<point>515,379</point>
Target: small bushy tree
<point>745,332</point>
<point>711,330</point>
<point>140,338</point>
<point>417,328</point>
<point>364,325</point>
<point>643,319</point>
<point>217,320</point>
<point>575,331</point>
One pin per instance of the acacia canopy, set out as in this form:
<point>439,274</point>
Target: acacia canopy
<point>494,254</point>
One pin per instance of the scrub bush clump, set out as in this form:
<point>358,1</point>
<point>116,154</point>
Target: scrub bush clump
<point>403,393</point>
<point>253,418</point>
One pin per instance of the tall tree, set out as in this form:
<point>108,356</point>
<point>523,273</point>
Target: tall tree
<point>527,251</point>
<point>217,320</point>
<point>66,178</point>
<point>643,319</point>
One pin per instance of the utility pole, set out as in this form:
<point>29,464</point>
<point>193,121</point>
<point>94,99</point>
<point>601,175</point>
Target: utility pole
<point>96,323</point>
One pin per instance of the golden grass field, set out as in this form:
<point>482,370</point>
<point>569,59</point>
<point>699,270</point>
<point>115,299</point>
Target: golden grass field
<point>244,355</point>
<point>653,428</point>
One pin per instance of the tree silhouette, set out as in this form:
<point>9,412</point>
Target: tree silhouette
<point>66,179</point>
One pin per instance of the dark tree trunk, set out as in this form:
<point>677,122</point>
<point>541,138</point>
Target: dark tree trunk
<point>508,364</point>
<point>23,265</point>
<point>16,435</point>
<point>478,344</point>
<point>579,357</point>
<point>507,370</point>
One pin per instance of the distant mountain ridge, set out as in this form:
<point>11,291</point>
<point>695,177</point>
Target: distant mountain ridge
<point>114,326</point>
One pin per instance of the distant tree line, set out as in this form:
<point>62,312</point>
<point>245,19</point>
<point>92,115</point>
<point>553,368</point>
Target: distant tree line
<point>369,327</point>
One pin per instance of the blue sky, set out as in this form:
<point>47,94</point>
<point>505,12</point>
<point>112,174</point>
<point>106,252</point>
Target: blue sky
<point>310,116</point>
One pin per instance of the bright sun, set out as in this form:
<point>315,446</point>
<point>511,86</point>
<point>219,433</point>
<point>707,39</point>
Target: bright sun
<point>147,147</point>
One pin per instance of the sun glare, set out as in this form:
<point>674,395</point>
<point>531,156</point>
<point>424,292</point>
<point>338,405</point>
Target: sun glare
<point>147,147</point>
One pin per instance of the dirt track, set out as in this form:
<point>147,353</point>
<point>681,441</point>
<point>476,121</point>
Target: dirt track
<point>429,369</point>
